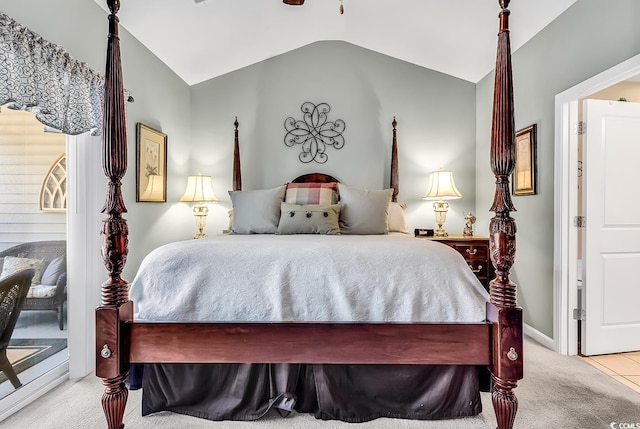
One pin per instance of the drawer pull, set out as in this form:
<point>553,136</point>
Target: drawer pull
<point>476,271</point>
<point>105,352</point>
<point>472,252</point>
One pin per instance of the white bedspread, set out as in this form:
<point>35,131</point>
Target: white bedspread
<point>307,278</point>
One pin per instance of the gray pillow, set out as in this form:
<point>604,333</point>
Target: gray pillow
<point>256,212</point>
<point>309,219</point>
<point>54,270</point>
<point>363,211</point>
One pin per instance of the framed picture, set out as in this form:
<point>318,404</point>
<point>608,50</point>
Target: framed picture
<point>151,165</point>
<point>525,172</point>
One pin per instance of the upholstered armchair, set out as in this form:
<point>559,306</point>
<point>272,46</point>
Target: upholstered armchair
<point>49,286</point>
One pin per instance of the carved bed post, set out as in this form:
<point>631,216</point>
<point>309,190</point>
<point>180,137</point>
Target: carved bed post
<point>394,163</point>
<point>111,360</point>
<point>507,365</point>
<point>237,173</point>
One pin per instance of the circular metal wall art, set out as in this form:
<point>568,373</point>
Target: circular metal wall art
<point>314,132</point>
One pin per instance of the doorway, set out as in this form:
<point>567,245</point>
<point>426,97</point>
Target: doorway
<point>85,272</point>
<point>566,200</point>
<point>33,234</point>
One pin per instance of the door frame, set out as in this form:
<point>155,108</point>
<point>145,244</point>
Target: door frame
<point>85,271</point>
<point>565,280</point>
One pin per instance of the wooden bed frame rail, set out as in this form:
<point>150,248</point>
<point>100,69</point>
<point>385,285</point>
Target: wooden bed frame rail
<point>301,342</point>
<point>496,343</point>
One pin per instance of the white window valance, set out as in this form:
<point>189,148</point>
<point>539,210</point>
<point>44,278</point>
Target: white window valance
<point>39,76</point>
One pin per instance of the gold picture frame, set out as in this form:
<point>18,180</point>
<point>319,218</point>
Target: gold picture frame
<point>151,165</point>
<point>526,170</point>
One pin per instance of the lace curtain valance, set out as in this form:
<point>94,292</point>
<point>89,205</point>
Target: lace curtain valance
<point>40,76</point>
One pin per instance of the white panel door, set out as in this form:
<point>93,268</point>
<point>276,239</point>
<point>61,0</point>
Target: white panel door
<point>611,245</point>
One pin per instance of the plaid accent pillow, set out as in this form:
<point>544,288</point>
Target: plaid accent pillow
<point>312,193</point>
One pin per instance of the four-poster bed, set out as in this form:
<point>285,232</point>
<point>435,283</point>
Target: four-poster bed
<point>334,274</point>
<point>495,343</point>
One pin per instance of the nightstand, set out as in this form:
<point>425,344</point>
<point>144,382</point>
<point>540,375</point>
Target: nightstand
<point>475,250</point>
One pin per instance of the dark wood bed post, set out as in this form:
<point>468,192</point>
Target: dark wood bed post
<point>503,311</point>
<point>237,173</point>
<point>394,163</point>
<point>111,360</point>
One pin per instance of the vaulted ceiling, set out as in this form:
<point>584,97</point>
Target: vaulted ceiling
<point>202,39</point>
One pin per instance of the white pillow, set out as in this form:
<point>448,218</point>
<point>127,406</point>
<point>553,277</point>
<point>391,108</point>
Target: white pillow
<point>309,219</point>
<point>13,265</point>
<point>363,211</point>
<point>397,219</point>
<point>256,212</point>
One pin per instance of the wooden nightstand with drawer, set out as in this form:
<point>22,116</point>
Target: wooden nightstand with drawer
<point>475,250</point>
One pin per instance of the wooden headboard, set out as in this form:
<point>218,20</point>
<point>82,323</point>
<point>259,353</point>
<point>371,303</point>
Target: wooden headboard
<point>315,178</point>
<point>318,177</point>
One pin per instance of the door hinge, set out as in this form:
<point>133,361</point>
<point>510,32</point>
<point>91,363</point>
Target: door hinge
<point>581,128</point>
<point>579,314</point>
<point>580,221</point>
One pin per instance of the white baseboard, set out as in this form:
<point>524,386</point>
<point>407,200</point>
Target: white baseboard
<point>538,336</point>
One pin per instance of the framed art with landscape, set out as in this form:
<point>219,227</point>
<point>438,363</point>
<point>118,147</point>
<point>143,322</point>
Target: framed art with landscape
<point>151,165</point>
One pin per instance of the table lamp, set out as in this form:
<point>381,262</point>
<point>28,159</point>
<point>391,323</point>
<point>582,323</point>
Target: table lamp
<point>441,188</point>
<point>199,190</point>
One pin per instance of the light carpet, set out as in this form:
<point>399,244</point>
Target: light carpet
<point>560,392</point>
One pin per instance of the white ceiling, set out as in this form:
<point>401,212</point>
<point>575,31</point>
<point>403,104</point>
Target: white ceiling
<point>204,40</point>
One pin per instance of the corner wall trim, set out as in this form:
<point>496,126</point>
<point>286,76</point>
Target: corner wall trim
<point>539,337</point>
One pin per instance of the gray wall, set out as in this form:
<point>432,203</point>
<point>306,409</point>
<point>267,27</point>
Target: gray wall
<point>590,37</point>
<point>161,101</point>
<point>435,114</point>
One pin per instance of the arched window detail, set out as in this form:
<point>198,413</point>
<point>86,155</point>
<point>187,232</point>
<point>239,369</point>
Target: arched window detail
<point>53,193</point>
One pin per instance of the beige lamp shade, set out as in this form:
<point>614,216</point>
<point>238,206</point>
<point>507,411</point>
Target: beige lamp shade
<point>442,186</point>
<point>199,190</point>
<point>155,189</point>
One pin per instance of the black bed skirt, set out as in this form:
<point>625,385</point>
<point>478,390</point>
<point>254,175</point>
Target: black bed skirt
<point>351,393</point>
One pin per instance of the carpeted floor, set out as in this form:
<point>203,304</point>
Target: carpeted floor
<point>557,392</point>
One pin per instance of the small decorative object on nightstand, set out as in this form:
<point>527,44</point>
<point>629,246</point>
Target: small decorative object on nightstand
<point>470,219</point>
<point>423,232</point>
<point>475,250</point>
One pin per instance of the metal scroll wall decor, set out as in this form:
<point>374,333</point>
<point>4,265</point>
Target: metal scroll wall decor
<point>314,132</point>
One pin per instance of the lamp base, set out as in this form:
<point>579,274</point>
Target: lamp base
<point>440,232</point>
<point>200,235</point>
<point>200,215</point>
<point>440,210</point>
